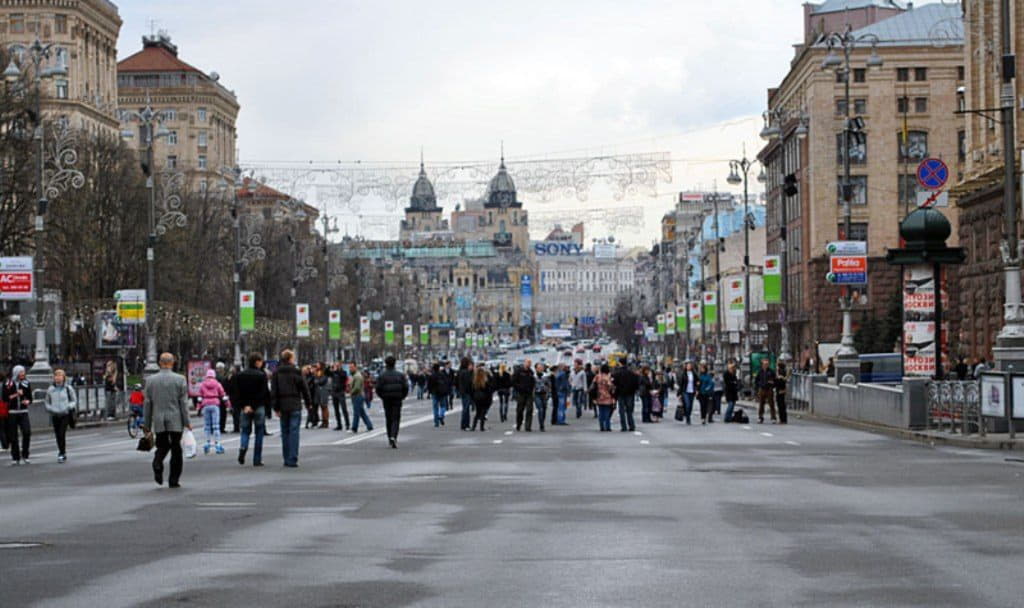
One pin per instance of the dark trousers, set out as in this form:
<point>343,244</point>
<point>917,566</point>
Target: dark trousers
<point>503,405</point>
<point>780,404</point>
<point>291,422</point>
<point>236,417</point>
<point>16,423</point>
<point>223,417</point>
<point>705,406</point>
<point>340,409</point>
<point>257,416</point>
<point>645,406</point>
<point>481,415</point>
<point>393,417</point>
<point>604,417</point>
<point>764,395</point>
<point>467,407</point>
<point>524,408</point>
<point>627,403</point>
<point>168,442</point>
<point>60,430</point>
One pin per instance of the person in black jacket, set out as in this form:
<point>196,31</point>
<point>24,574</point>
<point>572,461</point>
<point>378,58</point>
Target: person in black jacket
<point>452,384</point>
<point>503,381</point>
<point>731,384</point>
<point>484,385</point>
<point>17,394</point>
<point>252,399</point>
<point>764,383</point>
<point>289,392</point>
<point>439,387</point>
<point>466,390</point>
<point>524,382</point>
<point>626,385</point>
<point>393,387</point>
<point>339,379</point>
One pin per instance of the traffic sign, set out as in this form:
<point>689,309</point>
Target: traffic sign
<point>932,173</point>
<point>131,306</point>
<point>16,278</point>
<point>848,270</point>
<point>847,248</point>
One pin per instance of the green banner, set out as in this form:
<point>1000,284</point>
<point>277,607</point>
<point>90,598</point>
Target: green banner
<point>424,335</point>
<point>710,308</point>
<point>389,332</point>
<point>247,311</point>
<point>334,325</point>
<point>661,325</point>
<point>772,279</point>
<point>680,319</point>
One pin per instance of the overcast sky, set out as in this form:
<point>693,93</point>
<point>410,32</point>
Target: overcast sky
<point>375,80</point>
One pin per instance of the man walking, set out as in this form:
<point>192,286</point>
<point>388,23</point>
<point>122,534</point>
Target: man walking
<point>339,379</point>
<point>252,398</point>
<point>289,393</point>
<point>626,385</point>
<point>466,390</point>
<point>357,394</point>
<point>580,386</point>
<point>165,413</point>
<point>523,381</point>
<point>541,392</point>
<point>393,387</point>
<point>562,389</point>
<point>764,383</point>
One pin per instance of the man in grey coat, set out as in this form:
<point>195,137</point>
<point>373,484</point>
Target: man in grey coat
<point>165,413</point>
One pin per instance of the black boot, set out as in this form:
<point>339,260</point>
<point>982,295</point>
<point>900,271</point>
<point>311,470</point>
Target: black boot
<point>241,455</point>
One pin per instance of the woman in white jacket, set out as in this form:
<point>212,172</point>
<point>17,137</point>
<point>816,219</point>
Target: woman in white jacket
<point>61,404</point>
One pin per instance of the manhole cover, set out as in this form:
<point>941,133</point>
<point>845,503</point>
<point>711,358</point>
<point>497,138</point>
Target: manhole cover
<point>20,545</point>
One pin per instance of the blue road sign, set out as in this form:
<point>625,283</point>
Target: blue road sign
<point>932,173</point>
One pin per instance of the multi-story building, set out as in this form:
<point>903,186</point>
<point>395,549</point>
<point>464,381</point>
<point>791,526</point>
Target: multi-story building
<point>908,108</point>
<point>84,34</point>
<point>978,297</point>
<point>199,112</point>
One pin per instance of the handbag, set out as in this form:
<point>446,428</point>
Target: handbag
<point>145,443</point>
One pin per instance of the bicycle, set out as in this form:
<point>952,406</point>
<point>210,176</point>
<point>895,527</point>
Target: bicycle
<point>135,423</point>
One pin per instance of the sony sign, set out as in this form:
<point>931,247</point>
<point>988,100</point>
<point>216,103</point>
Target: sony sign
<point>548,248</point>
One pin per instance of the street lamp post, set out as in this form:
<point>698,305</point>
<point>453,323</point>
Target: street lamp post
<point>846,357</point>
<point>248,248</point>
<point>328,230</point>
<point>736,168</point>
<point>48,184</point>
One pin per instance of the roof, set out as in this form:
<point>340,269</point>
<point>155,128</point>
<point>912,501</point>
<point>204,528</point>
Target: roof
<point>835,6</point>
<point>154,59</point>
<point>423,197</point>
<point>502,190</point>
<point>260,191</point>
<point>935,23</point>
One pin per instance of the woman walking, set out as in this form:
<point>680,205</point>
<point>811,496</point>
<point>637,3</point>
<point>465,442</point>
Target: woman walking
<point>313,406</point>
<point>781,378</point>
<point>60,403</point>
<point>657,397</point>
<point>484,386</point>
<point>504,383</point>
<point>111,387</point>
<point>730,389</point>
<point>323,394</point>
<point>211,395</point>
<point>707,388</point>
<point>689,385</point>
<point>17,395</point>
<point>604,398</point>
<point>646,385</point>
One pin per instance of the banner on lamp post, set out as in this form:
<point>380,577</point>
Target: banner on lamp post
<point>246,311</point>
<point>772,279</point>
<point>670,322</point>
<point>735,296</point>
<point>389,332</point>
<point>334,325</point>
<point>453,338</point>
<point>424,335</point>
<point>407,335</point>
<point>364,329</point>
<point>696,314</point>
<point>710,308</point>
<point>302,320</point>
<point>681,319</point>
<point>661,325</point>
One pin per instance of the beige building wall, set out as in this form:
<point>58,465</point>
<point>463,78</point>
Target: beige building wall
<point>84,33</point>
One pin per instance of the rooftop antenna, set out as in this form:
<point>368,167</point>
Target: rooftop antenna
<point>152,27</point>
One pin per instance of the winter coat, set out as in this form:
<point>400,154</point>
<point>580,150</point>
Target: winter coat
<point>483,397</point>
<point>605,389</point>
<point>338,381</point>
<point>503,381</point>
<point>626,382</point>
<point>15,404</point>
<point>288,390</point>
<point>732,386</point>
<point>251,390</point>
<point>60,399</point>
<point>392,386</point>
<point>686,378</point>
<point>211,392</point>
<point>707,383</point>
<point>578,380</point>
<point>465,381</point>
<point>355,385</point>
<point>439,384</point>
<point>542,385</point>
<point>524,381</point>
<point>166,407</point>
<point>562,384</point>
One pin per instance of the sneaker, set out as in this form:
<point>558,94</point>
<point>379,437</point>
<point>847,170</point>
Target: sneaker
<point>27,461</point>
<point>16,463</point>
<point>62,458</point>
<point>220,449</point>
<point>206,449</point>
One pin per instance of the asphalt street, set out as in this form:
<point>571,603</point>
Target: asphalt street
<point>806,514</point>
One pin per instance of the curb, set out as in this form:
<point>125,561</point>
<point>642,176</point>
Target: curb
<point>925,437</point>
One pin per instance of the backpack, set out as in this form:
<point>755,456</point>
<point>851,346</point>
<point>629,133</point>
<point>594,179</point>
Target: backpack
<point>740,416</point>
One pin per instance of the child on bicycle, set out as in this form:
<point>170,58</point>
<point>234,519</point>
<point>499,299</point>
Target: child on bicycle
<point>136,400</point>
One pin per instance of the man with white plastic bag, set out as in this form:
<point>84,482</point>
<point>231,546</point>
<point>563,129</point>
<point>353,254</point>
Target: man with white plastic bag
<point>165,414</point>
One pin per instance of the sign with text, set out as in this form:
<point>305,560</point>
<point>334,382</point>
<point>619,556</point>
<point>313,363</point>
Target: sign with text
<point>424,335</point>
<point>919,330</point>
<point>302,320</point>
<point>772,279</point>
<point>848,270</point>
<point>847,248</point>
<point>661,325</point>
<point>389,332</point>
<point>680,319</point>
<point>131,306</point>
<point>16,278</point>
<point>710,307</point>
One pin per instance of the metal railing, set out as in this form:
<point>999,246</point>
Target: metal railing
<point>92,402</point>
<point>955,406</point>
<point>800,388</point>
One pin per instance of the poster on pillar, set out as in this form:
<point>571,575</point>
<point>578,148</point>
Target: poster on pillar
<point>334,325</point>
<point>919,348</point>
<point>389,332</point>
<point>302,320</point>
<point>407,335</point>
<point>364,330</point>
<point>670,322</point>
<point>681,319</point>
<point>734,297</point>
<point>695,314</point>
<point>710,308</point>
<point>424,335</point>
<point>772,279</point>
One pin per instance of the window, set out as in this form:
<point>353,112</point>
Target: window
<point>859,189</point>
<point>902,105</point>
<point>859,74</point>
<point>172,162</point>
<point>860,106</point>
<point>920,105</point>
<point>840,76</point>
<point>916,148</point>
<point>202,186</point>
<point>17,22</point>
<point>60,24</point>
<point>961,145</point>
<point>201,114</point>
<point>960,72</point>
<point>920,74</point>
<point>61,89</point>
<point>902,74</point>
<point>202,139</point>
<point>961,103</point>
<point>202,161</point>
<point>858,231</point>
<point>170,114</point>
<point>841,107</point>
<point>907,189</point>
<point>858,149</point>
<point>172,138</point>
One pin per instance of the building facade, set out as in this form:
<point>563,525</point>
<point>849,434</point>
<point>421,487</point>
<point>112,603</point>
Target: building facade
<point>908,107</point>
<point>199,112</point>
<point>84,34</point>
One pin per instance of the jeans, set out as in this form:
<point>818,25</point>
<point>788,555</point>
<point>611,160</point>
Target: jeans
<point>211,423</point>
<point>168,442</point>
<point>688,405</point>
<point>340,408</point>
<point>291,422</point>
<point>60,431</point>
<point>359,413</point>
<point>440,407</point>
<point>729,405</point>
<point>604,417</point>
<point>259,417</point>
<point>503,405</point>
<point>419,391</point>
<point>579,397</point>
<point>393,417</point>
<point>563,398</point>
<point>16,423</point>
<point>467,407</point>
<point>523,409</point>
<point>716,402</point>
<point>645,406</point>
<point>540,401</point>
<point>626,405</point>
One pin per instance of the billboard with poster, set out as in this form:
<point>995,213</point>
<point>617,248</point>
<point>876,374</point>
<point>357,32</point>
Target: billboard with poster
<point>195,373</point>
<point>111,332</point>
<point>919,348</point>
<point>993,394</point>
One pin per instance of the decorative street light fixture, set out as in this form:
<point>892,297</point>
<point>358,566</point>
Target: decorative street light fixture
<point>846,357</point>
<point>328,277</point>
<point>50,183</point>
<point>248,248</point>
<point>739,173</point>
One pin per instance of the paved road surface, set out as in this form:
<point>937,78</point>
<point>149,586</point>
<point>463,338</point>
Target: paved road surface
<point>724,515</point>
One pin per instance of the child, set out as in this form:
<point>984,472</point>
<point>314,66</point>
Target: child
<point>136,400</point>
<point>211,394</point>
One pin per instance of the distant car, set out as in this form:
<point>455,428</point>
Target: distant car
<point>579,349</point>
<point>597,348</point>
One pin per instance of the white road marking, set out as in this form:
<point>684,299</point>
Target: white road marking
<point>767,435</point>
<point>508,433</point>
<point>748,428</point>
<point>637,433</point>
<point>645,442</point>
<point>497,442</point>
<point>792,443</point>
<point>225,505</point>
<point>377,432</point>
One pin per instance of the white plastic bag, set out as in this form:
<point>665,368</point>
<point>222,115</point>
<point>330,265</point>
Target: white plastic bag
<point>189,444</point>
